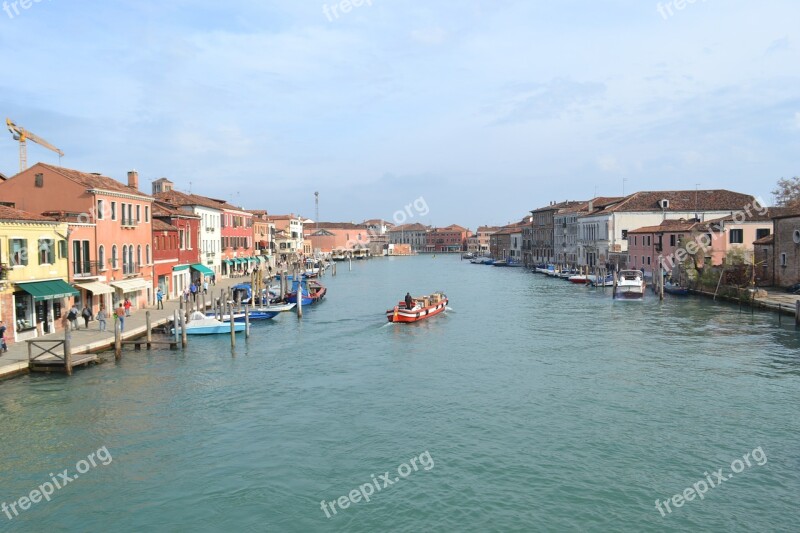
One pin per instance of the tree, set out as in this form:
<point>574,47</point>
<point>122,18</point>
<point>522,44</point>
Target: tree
<point>788,192</point>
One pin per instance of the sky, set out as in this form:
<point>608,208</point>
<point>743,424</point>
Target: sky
<point>480,110</point>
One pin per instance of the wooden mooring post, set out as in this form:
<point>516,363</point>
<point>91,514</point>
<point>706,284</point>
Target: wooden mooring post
<point>184,334</point>
<point>67,351</point>
<point>233,325</point>
<point>246,321</point>
<point>797,314</point>
<point>149,326</point>
<point>117,340</point>
<point>176,324</point>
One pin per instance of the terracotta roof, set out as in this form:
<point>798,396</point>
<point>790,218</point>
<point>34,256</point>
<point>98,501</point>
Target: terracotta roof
<point>374,221</point>
<point>284,217</point>
<point>688,201</point>
<point>487,229</point>
<point>416,226</point>
<point>161,209</point>
<point>569,204</point>
<point>338,225</point>
<point>93,181</point>
<point>66,216</point>
<point>769,239</point>
<point>755,216</point>
<point>669,225</point>
<point>160,225</point>
<point>10,213</point>
<point>258,212</point>
<point>177,198</point>
<point>786,212</point>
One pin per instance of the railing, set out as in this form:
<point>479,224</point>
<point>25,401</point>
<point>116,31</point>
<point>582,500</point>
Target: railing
<point>86,268</point>
<point>130,268</point>
<point>129,222</point>
<point>210,229</point>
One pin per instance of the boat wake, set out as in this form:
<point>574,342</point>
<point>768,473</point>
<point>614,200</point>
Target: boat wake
<point>449,309</point>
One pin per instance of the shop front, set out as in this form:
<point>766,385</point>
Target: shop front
<point>38,306</point>
<point>94,294</point>
<point>134,289</point>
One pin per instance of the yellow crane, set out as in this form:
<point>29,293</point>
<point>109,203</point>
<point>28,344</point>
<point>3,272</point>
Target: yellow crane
<point>22,135</point>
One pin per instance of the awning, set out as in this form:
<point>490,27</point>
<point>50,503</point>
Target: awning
<point>95,287</point>
<point>228,262</point>
<point>262,258</point>
<point>180,268</point>
<point>48,290</point>
<point>237,261</point>
<point>130,285</point>
<point>203,269</point>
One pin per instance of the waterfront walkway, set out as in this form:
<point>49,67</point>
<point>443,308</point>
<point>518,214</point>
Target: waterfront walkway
<point>15,361</point>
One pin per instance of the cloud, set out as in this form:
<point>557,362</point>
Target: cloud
<point>550,100</point>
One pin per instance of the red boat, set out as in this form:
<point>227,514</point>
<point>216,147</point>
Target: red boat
<point>424,307</point>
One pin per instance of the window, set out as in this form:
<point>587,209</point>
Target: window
<point>672,239</point>
<point>47,251</point>
<point>139,255</point>
<point>101,257</point>
<point>189,240</point>
<point>101,205</point>
<point>38,180</point>
<point>147,213</point>
<point>761,233</point>
<point>130,214</point>
<point>625,235</point>
<point>113,210</point>
<point>736,236</point>
<point>148,254</point>
<point>180,233</point>
<point>62,249</point>
<point>124,258</point>
<point>648,260</point>
<point>783,260</point>
<point>18,252</point>
<point>114,257</point>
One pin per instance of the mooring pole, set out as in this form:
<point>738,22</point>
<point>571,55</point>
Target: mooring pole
<point>797,314</point>
<point>176,323</point>
<point>184,334</point>
<point>68,351</point>
<point>246,321</point>
<point>117,340</point>
<point>233,328</point>
<point>149,329</point>
<point>299,300</point>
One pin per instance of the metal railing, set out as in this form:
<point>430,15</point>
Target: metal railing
<point>86,268</point>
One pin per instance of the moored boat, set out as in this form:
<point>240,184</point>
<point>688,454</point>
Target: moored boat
<point>423,307</point>
<point>674,289</point>
<point>311,292</point>
<point>200,324</point>
<point>581,279</point>
<point>630,285</point>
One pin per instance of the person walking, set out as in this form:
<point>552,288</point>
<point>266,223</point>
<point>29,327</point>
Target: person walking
<point>72,317</point>
<point>127,306</point>
<point>120,314</point>
<point>205,287</point>
<point>193,289</point>
<point>186,294</point>
<point>160,299</point>
<point>213,279</point>
<point>3,345</point>
<point>86,313</point>
<point>101,317</point>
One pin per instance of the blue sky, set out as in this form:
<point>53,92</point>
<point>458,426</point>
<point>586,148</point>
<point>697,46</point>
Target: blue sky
<point>486,109</point>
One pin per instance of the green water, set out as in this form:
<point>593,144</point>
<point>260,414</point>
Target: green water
<point>543,406</point>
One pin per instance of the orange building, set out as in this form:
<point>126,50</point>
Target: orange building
<point>116,250</point>
<point>326,237</point>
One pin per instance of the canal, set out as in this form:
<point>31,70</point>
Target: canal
<point>533,405</point>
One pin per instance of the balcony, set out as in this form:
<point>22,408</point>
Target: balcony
<point>130,268</point>
<point>129,223</point>
<point>84,269</point>
<point>210,230</point>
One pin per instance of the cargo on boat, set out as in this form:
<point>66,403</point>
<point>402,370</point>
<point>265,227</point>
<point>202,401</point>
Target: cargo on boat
<point>418,308</point>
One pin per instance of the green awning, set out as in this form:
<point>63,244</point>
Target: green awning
<point>179,268</point>
<point>227,262</point>
<point>238,261</point>
<point>48,290</point>
<point>203,269</point>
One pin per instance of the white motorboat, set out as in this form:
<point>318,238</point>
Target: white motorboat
<point>630,285</point>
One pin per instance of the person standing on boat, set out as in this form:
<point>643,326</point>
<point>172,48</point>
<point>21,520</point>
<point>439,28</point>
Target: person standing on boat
<point>409,301</point>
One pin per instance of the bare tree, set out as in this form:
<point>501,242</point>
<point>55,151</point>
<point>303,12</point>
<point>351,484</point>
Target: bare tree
<point>788,192</point>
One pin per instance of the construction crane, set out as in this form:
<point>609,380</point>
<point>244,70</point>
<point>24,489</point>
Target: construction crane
<point>22,135</point>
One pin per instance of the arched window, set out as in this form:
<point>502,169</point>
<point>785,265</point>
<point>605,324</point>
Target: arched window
<point>130,259</point>
<point>101,257</point>
<point>139,256</point>
<point>114,257</point>
<point>148,254</point>
<point>124,258</point>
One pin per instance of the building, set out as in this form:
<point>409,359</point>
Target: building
<point>479,242</point>
<point>209,240</point>
<point>651,244</point>
<point>565,228</point>
<point>764,250</point>
<point>542,233</point>
<point>378,226</point>
<point>507,242</point>
<point>176,252</point>
<point>116,251</point>
<point>603,233</point>
<point>263,234</point>
<point>785,248</point>
<point>34,296</point>
<point>289,234</point>
<point>415,235</point>
<point>236,238</point>
<point>450,239</point>
<point>326,237</point>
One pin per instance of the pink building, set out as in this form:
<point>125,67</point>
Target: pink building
<point>110,247</point>
<point>328,236</point>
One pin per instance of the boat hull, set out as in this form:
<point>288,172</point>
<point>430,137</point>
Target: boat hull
<point>401,315</point>
<point>214,330</point>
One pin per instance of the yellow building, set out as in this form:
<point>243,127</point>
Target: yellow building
<point>34,294</point>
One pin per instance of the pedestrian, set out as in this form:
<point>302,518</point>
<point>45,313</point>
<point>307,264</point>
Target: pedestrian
<point>120,314</point>
<point>127,305</point>
<point>205,287</point>
<point>86,313</point>
<point>101,317</point>
<point>72,317</point>
<point>193,289</point>
<point>213,279</point>
<point>160,299</point>
<point>3,345</point>
<point>186,294</point>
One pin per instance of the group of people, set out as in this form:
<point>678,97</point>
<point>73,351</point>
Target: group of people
<point>122,311</point>
<point>192,290</point>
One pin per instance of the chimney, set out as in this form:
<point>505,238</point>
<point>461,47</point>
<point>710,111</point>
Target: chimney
<point>133,180</point>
